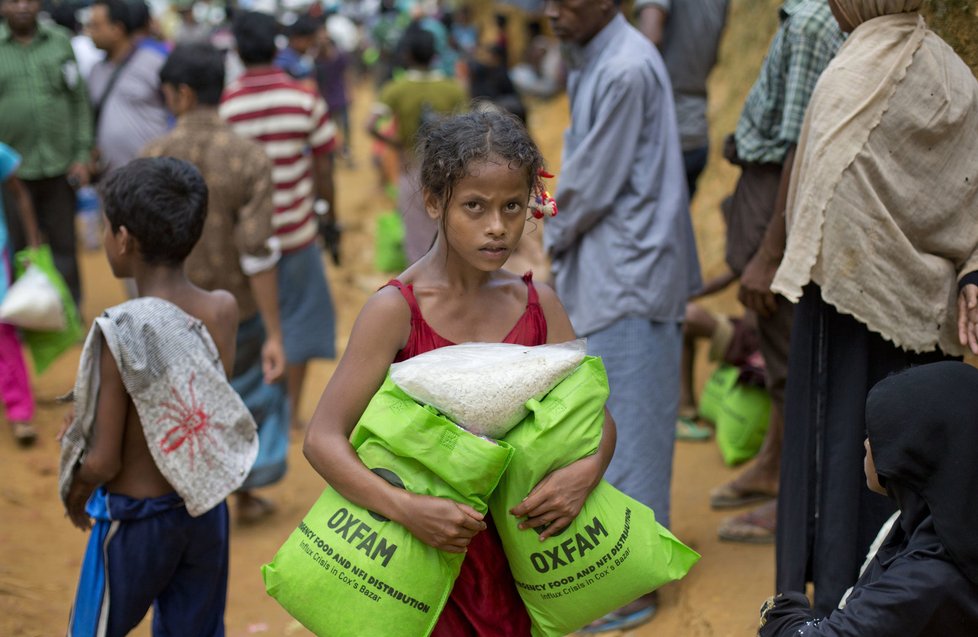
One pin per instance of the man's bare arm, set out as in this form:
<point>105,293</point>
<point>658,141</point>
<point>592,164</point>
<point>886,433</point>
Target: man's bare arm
<point>652,23</point>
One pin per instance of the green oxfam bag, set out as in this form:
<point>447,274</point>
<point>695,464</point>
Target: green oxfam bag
<point>613,553</point>
<point>389,243</point>
<point>717,386</point>
<point>743,421</point>
<point>348,572</point>
<point>45,347</point>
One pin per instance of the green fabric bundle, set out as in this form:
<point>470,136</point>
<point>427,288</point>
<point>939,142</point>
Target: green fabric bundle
<point>739,411</point>
<point>717,386</point>
<point>614,551</point>
<point>743,421</point>
<point>346,571</point>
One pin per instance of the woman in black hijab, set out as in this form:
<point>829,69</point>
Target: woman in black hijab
<point>921,451</point>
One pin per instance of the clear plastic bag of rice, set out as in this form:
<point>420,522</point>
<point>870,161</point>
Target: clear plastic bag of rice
<point>483,386</point>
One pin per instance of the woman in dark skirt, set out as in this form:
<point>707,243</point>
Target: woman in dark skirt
<point>881,228</point>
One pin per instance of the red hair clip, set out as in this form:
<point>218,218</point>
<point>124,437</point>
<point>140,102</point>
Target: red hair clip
<point>541,203</point>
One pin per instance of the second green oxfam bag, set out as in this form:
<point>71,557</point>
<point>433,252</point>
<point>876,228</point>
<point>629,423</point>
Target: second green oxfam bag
<point>614,552</point>
<point>348,572</point>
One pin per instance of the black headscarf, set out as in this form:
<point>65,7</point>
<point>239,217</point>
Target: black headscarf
<point>923,430</point>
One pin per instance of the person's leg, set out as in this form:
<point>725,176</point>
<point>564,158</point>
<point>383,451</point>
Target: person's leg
<point>295,378</point>
<point>695,161</point>
<point>120,578</point>
<point>15,387</point>
<point>343,115</point>
<point>306,312</point>
<point>194,599</point>
<point>269,405</point>
<point>698,324</point>
<point>54,201</point>
<point>642,360</point>
<point>759,480</point>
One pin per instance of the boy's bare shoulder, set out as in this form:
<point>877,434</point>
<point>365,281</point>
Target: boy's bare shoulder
<point>223,310</point>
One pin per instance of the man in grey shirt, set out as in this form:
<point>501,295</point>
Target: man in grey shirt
<point>623,250</point>
<point>125,87</point>
<point>688,34</point>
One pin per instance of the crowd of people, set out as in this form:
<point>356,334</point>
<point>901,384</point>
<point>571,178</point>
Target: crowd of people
<point>213,142</point>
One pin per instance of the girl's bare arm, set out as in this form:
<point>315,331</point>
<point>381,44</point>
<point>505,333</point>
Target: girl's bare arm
<point>379,333</point>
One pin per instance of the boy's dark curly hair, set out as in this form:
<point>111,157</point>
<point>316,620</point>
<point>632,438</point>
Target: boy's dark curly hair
<point>447,146</point>
<point>162,201</point>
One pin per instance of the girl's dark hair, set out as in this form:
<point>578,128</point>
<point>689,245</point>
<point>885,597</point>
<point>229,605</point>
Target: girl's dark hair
<point>448,146</point>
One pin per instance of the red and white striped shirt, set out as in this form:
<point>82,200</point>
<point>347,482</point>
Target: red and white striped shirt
<point>292,123</point>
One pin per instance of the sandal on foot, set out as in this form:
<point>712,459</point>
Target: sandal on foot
<point>727,496</point>
<point>756,526</point>
<point>689,429</point>
<point>24,433</point>
<point>616,620</point>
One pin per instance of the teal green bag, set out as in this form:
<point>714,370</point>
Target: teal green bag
<point>717,386</point>
<point>348,572</point>
<point>743,421</point>
<point>46,347</point>
<point>613,553</point>
<point>389,243</point>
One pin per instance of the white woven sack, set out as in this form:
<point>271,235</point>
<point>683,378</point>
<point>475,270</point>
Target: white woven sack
<point>33,303</point>
<point>483,386</point>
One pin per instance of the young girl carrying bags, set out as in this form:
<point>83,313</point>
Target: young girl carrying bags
<point>478,173</point>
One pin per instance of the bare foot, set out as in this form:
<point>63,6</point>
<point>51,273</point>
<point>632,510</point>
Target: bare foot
<point>757,526</point>
<point>756,483</point>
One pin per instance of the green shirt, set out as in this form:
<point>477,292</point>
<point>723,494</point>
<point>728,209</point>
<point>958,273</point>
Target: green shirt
<point>416,96</point>
<point>775,107</point>
<point>44,111</point>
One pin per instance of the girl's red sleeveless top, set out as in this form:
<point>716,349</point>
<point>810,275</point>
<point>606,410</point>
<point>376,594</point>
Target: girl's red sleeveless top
<point>484,601</point>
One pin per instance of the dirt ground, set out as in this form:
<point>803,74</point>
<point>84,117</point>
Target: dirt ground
<point>40,552</point>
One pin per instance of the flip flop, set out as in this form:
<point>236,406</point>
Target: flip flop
<point>616,621</point>
<point>726,496</point>
<point>689,429</point>
<point>756,526</point>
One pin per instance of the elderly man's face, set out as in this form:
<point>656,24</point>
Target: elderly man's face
<point>21,15</point>
<point>577,21</point>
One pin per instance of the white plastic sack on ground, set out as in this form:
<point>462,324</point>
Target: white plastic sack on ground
<point>33,303</point>
<point>483,386</point>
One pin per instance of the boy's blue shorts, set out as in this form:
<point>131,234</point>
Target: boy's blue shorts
<point>151,552</point>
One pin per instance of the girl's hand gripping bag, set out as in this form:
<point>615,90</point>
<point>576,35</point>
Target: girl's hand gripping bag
<point>348,572</point>
<point>614,552</point>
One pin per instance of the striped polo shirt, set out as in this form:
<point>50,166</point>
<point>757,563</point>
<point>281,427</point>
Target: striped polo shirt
<point>292,123</point>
